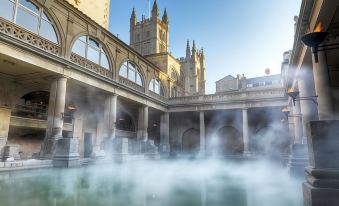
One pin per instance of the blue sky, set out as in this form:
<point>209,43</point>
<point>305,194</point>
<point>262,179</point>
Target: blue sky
<point>238,36</point>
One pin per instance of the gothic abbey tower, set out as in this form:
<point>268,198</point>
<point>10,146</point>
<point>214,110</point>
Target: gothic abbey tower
<point>150,37</point>
<point>194,69</point>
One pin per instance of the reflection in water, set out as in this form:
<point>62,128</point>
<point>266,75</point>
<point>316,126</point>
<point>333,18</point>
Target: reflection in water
<point>150,183</point>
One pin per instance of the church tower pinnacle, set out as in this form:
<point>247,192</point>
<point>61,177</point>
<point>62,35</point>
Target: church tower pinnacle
<point>155,10</point>
<point>165,17</point>
<point>188,50</point>
<point>133,17</point>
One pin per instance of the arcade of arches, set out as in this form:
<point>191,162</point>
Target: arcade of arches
<point>91,81</point>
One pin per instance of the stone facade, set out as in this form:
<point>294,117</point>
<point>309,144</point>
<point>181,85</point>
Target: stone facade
<point>51,88</point>
<point>96,10</point>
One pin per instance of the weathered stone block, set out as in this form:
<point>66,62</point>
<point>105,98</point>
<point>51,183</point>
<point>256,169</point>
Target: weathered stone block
<point>11,151</point>
<point>120,146</point>
<point>314,196</point>
<point>66,153</point>
<point>164,148</point>
<point>323,144</point>
<point>48,148</point>
<point>322,186</point>
<point>148,147</point>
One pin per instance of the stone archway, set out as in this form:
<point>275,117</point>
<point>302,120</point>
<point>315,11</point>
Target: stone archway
<point>269,140</point>
<point>191,141</point>
<point>230,141</point>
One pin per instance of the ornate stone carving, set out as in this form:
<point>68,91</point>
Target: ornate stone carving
<point>11,29</point>
<point>131,84</point>
<point>91,66</point>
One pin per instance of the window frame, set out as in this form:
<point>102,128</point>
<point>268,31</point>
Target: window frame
<point>39,15</point>
<point>152,86</point>
<point>129,65</point>
<point>100,49</point>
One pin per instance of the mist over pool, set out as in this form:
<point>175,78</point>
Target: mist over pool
<point>209,182</point>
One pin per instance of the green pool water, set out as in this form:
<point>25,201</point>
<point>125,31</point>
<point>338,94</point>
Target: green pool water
<point>154,183</point>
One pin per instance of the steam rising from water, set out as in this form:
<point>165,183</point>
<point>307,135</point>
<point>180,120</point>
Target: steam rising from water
<point>160,183</point>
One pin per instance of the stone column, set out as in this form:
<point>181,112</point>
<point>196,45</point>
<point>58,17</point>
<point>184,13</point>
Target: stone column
<point>164,133</point>
<point>144,135</point>
<point>308,108</point>
<point>5,118</point>
<point>111,115</point>
<point>245,131</point>
<point>55,122</point>
<point>323,87</point>
<point>298,157</point>
<point>109,124</point>
<point>298,131</point>
<point>202,133</point>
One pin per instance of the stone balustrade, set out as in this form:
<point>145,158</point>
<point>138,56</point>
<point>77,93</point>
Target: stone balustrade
<point>91,66</point>
<point>131,84</point>
<point>28,37</point>
<point>225,97</point>
<point>157,96</point>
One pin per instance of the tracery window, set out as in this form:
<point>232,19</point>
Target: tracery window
<point>155,86</point>
<point>29,16</point>
<point>131,72</point>
<point>90,49</point>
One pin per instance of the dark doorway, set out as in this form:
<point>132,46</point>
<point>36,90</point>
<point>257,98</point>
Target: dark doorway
<point>88,144</point>
<point>230,141</point>
<point>191,141</point>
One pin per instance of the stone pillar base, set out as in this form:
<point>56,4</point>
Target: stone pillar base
<point>246,154</point>
<point>164,148</point>
<point>298,160</point>
<point>11,152</point>
<point>2,146</point>
<point>148,147</point>
<point>120,149</point>
<point>66,153</point>
<point>322,187</point>
<point>98,153</point>
<point>48,148</point>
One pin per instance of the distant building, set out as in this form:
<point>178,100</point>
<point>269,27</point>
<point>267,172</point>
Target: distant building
<point>230,83</point>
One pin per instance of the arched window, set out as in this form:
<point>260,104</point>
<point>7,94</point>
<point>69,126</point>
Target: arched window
<point>30,16</point>
<point>131,72</point>
<point>155,86</point>
<point>90,49</point>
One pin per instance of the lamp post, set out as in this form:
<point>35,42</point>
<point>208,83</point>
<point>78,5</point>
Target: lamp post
<point>294,95</point>
<point>313,40</point>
